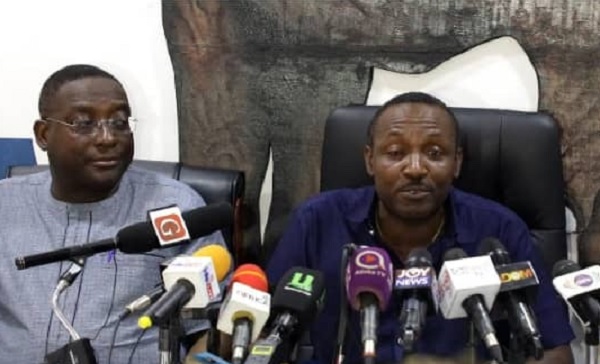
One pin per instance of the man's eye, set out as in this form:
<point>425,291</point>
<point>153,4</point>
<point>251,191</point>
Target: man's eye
<point>84,124</point>
<point>395,153</point>
<point>434,152</point>
<point>119,124</point>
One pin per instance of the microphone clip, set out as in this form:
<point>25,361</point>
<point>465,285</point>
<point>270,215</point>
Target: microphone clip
<point>69,276</point>
<point>76,352</point>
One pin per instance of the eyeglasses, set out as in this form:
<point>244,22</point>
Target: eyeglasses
<point>117,127</point>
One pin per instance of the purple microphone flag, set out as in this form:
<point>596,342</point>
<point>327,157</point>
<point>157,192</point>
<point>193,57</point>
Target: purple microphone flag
<point>370,270</point>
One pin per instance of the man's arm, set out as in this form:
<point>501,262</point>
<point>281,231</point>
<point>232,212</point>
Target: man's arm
<point>558,355</point>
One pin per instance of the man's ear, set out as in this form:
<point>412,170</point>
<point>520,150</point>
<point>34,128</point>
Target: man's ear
<point>40,130</point>
<point>459,160</point>
<point>368,154</point>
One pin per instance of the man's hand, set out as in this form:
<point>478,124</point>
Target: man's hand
<point>558,355</point>
<point>466,356</point>
<point>200,346</point>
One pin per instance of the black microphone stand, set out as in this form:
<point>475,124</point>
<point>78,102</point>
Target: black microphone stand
<point>338,357</point>
<point>169,332</point>
<point>591,340</point>
<point>590,319</point>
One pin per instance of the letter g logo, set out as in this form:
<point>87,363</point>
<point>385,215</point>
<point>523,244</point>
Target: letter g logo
<point>169,225</point>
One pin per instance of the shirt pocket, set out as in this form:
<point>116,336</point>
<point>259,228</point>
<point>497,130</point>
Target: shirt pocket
<point>139,272</point>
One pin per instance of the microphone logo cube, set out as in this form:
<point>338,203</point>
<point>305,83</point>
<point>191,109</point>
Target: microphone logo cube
<point>418,278</point>
<point>302,283</point>
<point>370,259</point>
<point>200,272</point>
<point>169,226</point>
<point>262,350</point>
<point>580,282</point>
<point>516,276</point>
<point>463,278</point>
<point>244,301</point>
<point>413,278</point>
<point>370,270</point>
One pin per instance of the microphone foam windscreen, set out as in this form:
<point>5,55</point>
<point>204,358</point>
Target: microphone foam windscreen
<point>205,220</point>
<point>369,270</point>
<point>301,291</point>
<point>454,254</point>
<point>141,237</point>
<point>418,257</point>
<point>494,247</point>
<point>137,238</point>
<point>564,266</point>
<point>251,275</point>
<point>220,257</point>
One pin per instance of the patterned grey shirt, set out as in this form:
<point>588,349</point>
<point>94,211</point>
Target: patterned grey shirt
<point>34,222</point>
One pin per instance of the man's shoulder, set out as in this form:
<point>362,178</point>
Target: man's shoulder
<point>25,181</point>
<point>481,207</point>
<point>345,201</point>
<point>151,188</point>
<point>141,178</point>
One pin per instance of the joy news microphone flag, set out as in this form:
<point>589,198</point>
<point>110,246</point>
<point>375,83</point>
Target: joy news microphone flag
<point>168,227</point>
<point>416,286</point>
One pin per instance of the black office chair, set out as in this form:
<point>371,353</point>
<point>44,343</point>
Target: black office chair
<point>511,157</point>
<point>214,184</point>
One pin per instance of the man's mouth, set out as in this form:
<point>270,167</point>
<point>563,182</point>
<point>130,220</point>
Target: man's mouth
<point>105,162</point>
<point>415,192</point>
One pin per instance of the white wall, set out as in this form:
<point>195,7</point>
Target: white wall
<point>125,37</point>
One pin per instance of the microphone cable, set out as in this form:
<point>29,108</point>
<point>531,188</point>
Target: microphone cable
<point>65,281</point>
<point>135,346</point>
<point>112,295</point>
<point>60,268</point>
<point>122,315</point>
<point>338,358</point>
<point>113,340</point>
<point>81,261</point>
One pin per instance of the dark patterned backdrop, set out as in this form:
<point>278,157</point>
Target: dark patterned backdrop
<point>254,74</point>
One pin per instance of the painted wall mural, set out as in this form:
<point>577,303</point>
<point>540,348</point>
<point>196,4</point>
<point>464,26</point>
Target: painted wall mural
<point>254,76</point>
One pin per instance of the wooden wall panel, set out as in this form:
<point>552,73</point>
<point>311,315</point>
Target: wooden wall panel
<point>254,74</point>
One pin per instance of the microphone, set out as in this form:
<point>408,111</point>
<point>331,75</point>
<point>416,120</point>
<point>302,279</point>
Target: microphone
<point>517,290</point>
<point>149,298</point>
<point>221,259</point>
<point>467,288</point>
<point>245,309</point>
<point>190,282</point>
<point>416,286</point>
<point>296,301</point>
<point>369,277</point>
<point>166,228</point>
<point>576,285</point>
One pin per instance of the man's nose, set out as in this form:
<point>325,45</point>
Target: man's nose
<point>104,133</point>
<point>415,167</point>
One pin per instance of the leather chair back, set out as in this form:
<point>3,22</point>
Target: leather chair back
<point>511,157</point>
<point>214,184</point>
